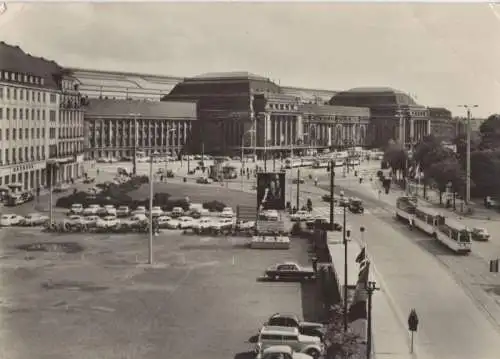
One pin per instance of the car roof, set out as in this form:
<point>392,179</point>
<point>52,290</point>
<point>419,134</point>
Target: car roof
<point>284,315</point>
<point>272,329</point>
<point>278,349</point>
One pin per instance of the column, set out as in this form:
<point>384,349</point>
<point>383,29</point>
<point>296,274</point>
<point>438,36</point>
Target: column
<point>178,134</point>
<point>267,123</point>
<point>300,126</point>
<point>401,129</point>
<point>330,129</point>
<point>285,124</point>
<point>185,133</point>
<point>428,127</point>
<point>281,130</point>
<point>412,130</point>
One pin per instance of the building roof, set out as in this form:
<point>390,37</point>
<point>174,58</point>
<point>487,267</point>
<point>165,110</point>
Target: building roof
<point>147,109</point>
<point>328,110</point>
<point>228,75</point>
<point>13,58</point>
<point>373,96</point>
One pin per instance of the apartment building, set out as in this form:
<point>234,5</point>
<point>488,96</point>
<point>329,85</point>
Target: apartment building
<point>31,115</point>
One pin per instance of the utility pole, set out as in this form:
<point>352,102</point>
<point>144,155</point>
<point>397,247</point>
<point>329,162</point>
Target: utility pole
<point>298,187</point>
<point>345,235</point>
<point>468,170</point>
<point>332,201</point>
<point>151,194</point>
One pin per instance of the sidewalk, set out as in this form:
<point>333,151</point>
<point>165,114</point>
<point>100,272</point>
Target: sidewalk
<point>390,340</point>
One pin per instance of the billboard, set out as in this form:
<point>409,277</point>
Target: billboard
<point>271,190</point>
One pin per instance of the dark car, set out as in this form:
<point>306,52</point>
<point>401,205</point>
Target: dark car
<point>356,206</point>
<point>289,271</point>
<point>89,180</point>
<point>480,234</point>
<point>298,180</point>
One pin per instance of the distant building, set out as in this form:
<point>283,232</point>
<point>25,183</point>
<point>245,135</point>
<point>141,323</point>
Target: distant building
<point>36,128</point>
<point>394,115</point>
<point>242,110</point>
<point>443,125</point>
<point>113,128</point>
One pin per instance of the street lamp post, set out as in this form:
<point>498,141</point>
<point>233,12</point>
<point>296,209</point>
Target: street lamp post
<point>332,200</point>
<point>345,236</point>
<point>370,288</point>
<point>252,130</point>
<point>467,187</point>
<point>151,194</point>
<point>136,132</point>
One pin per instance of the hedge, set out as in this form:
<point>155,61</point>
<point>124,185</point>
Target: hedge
<point>214,206</point>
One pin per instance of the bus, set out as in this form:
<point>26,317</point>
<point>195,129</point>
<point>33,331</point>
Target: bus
<point>454,235</point>
<point>405,209</point>
<point>427,220</point>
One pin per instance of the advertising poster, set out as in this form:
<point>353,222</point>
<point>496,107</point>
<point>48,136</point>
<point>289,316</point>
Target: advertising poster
<point>271,190</point>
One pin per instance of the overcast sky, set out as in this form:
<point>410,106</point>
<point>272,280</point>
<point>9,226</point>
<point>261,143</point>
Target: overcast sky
<point>445,54</point>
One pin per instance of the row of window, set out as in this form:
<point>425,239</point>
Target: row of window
<point>22,94</point>
<point>283,106</point>
<point>20,77</point>
<point>22,154</point>
<point>26,114</point>
<point>18,133</point>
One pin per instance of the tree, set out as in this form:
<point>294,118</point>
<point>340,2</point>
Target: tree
<point>396,157</point>
<point>445,172</point>
<point>461,143</point>
<point>490,132</point>
<point>340,344</point>
<point>485,172</point>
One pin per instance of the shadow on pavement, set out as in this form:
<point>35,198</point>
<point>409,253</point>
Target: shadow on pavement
<point>245,355</point>
<point>312,304</point>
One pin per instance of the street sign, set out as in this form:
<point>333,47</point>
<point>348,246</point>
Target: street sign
<point>494,264</point>
<point>413,321</point>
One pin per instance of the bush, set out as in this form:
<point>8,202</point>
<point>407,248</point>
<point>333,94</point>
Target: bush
<point>214,206</point>
<point>161,199</point>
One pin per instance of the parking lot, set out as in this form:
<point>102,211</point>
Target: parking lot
<point>201,299</point>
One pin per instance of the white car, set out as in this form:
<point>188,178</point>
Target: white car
<point>202,224</point>
<point>271,215</point>
<point>222,223</point>
<point>91,221</point>
<point>76,208</point>
<point>227,212</point>
<point>75,219</point>
<point>271,336</point>
<point>35,219</point>
<point>281,352</point>
<point>177,212</point>
<point>300,216</point>
<point>173,223</point>
<point>138,218</point>
<point>156,211</point>
<point>10,220</point>
<point>110,210</point>
<point>107,222</point>
<point>186,222</point>
<point>240,224</point>
<point>122,211</point>
<point>139,210</point>
<point>92,209</point>
<point>163,221</point>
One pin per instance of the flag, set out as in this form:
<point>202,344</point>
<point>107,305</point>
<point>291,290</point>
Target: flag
<point>361,256</point>
<point>358,309</point>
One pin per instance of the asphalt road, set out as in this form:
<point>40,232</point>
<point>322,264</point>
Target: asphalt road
<point>446,290</point>
<point>202,299</point>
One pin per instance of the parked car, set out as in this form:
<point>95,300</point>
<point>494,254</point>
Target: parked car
<point>290,271</point>
<point>110,210</point>
<point>156,211</point>
<point>185,222</point>
<point>122,211</point>
<point>163,221</point>
<point>177,212</point>
<point>298,180</point>
<point>139,210</point>
<point>320,222</point>
<point>292,320</point>
<point>227,212</point>
<point>202,225</point>
<point>199,212</point>
<point>10,220</point>
<point>300,216</point>
<point>76,208</point>
<point>61,188</point>
<point>92,209</point>
<point>173,223</point>
<point>480,234</point>
<point>281,352</point>
<point>34,219</point>
<point>490,202</point>
<point>270,336</point>
<point>76,220</point>
<point>204,180</point>
<point>138,218</point>
<point>18,198</point>
<point>89,180</point>
<point>243,225</point>
<point>222,224</point>
<point>91,221</point>
<point>108,222</point>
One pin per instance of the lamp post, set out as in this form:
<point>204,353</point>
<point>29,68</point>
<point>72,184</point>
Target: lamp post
<point>332,199</point>
<point>151,194</point>
<point>370,288</point>
<point>136,132</point>
<point>469,115</point>
<point>252,130</point>
<point>345,235</point>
